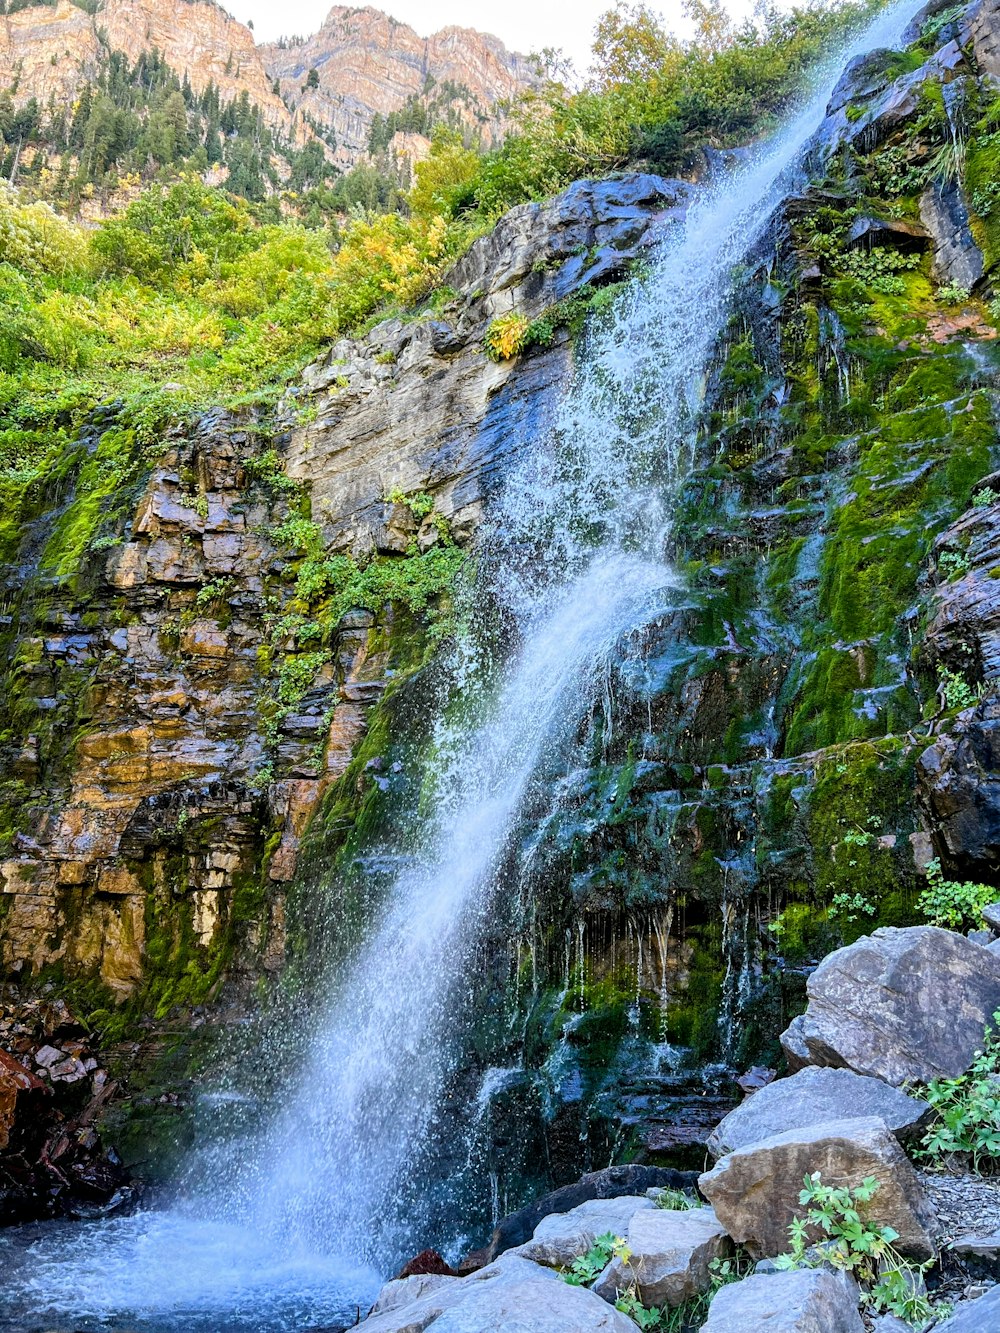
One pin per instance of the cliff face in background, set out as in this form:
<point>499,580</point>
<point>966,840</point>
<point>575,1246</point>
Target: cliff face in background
<point>368,64</point>
<point>48,52</point>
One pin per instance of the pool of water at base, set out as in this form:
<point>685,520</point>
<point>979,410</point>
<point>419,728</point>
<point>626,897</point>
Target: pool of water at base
<point>167,1272</point>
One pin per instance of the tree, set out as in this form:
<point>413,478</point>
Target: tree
<point>312,80</point>
<point>631,47</point>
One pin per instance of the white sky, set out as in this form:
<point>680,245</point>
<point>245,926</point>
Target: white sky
<point>523,25</point>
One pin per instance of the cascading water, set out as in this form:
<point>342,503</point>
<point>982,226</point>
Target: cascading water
<point>574,559</point>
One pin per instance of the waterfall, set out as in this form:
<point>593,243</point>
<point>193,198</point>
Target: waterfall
<point>575,558</point>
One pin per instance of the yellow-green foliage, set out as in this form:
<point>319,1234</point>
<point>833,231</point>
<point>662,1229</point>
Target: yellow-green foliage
<point>507,336</point>
<point>189,299</point>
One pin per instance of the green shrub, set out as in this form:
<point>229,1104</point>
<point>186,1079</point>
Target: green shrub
<point>967,1109</point>
<point>851,1241</point>
<point>948,903</point>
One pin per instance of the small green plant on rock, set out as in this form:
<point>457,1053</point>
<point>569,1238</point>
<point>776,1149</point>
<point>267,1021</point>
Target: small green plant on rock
<point>675,1200</point>
<point>984,497</point>
<point>967,1110</point>
<point>953,563</point>
<point>955,690</point>
<point>855,1244</point>
<point>585,1268</point>
<point>952,293</point>
<point>946,902</point>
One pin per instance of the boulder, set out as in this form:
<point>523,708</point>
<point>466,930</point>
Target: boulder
<point>512,1294</point>
<point>811,1097</point>
<point>669,1256</point>
<point>561,1238</point>
<point>978,1316</point>
<point>991,915</point>
<point>901,1005</point>
<point>610,1183</point>
<point>810,1300</point>
<point>403,1291</point>
<point>755,1190</point>
<point>980,1255</point>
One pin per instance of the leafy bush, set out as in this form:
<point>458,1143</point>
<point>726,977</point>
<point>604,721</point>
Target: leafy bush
<point>852,1242</point>
<point>507,336</point>
<point>946,902</point>
<point>967,1109</point>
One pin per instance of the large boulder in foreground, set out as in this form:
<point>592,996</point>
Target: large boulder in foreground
<point>901,1005</point>
<point>561,1238</point>
<point>755,1190</point>
<point>810,1300</point>
<point>812,1097</point>
<point>670,1253</point>
<point>511,1294</point>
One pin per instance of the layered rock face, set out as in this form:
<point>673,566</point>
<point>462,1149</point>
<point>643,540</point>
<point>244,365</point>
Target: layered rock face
<point>48,51</point>
<point>369,63</point>
<point>140,689</point>
<point>417,407</point>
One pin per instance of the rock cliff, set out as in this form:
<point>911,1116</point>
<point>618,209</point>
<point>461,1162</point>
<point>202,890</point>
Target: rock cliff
<point>367,64</point>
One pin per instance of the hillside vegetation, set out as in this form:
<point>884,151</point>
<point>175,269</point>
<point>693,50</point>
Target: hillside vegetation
<point>195,296</point>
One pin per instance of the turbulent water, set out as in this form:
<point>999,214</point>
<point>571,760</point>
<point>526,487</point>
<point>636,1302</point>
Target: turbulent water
<point>292,1230</point>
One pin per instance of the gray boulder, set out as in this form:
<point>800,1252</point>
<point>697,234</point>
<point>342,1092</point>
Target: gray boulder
<point>978,1316</point>
<point>991,915</point>
<point>811,1097</point>
<point>900,1005</point>
<point>561,1238</point>
<point>755,1190</point>
<point>669,1256</point>
<point>511,1294</point>
<point>810,1300</point>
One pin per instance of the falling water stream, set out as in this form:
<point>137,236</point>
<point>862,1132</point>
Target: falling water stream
<point>294,1229</point>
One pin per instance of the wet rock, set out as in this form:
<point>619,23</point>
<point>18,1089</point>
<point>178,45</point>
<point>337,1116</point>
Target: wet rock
<point>869,231</point>
<point>957,257</point>
<point>901,1005</point>
<point>427,1262</point>
<point>610,1183</point>
<point>811,1097</point>
<point>510,1293</point>
<point>20,1093</point>
<point>978,1316</point>
<point>402,1291</point>
<point>755,1189</point>
<point>416,406</point>
<point>806,1301</point>
<point>563,1237</point>
<point>670,1253</point>
<point>959,787</point>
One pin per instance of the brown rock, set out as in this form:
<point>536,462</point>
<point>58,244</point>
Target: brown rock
<point>755,1189</point>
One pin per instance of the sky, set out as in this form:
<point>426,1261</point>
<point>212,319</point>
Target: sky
<point>523,25</point>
